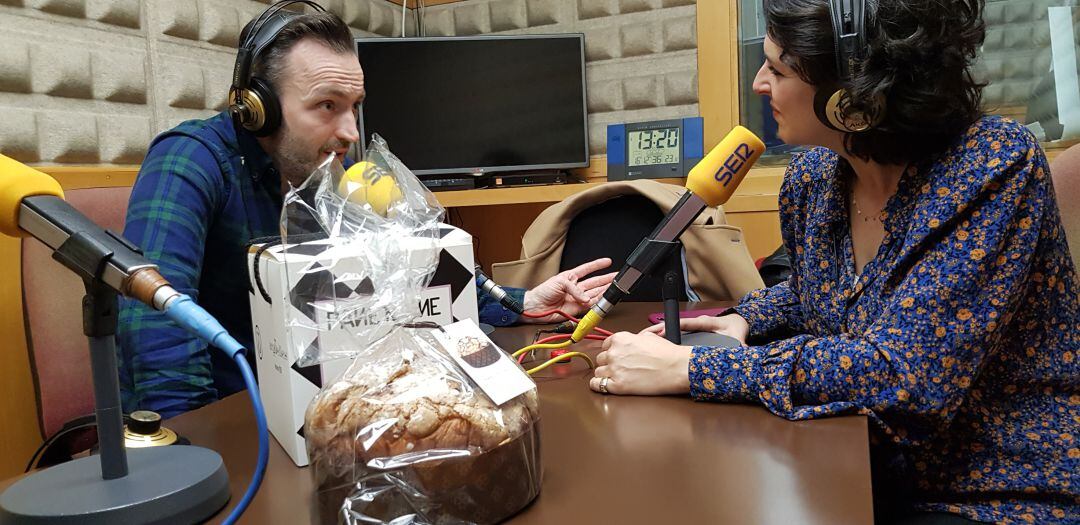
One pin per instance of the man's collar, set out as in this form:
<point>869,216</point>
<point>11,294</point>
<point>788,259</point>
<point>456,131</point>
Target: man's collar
<point>258,163</point>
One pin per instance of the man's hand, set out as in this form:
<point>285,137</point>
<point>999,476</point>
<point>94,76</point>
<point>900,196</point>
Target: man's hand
<point>564,292</point>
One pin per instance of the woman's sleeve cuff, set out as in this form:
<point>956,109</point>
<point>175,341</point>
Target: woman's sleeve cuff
<point>723,374</point>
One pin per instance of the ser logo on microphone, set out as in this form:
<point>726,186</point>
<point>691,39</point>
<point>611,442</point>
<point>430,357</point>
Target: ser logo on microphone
<point>371,174</point>
<point>733,164</point>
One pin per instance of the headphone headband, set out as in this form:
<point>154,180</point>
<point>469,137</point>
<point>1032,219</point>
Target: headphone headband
<point>249,108</point>
<point>832,104</point>
<point>255,39</point>
<point>849,35</point>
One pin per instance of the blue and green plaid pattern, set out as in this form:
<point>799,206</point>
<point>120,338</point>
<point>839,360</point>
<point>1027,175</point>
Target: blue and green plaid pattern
<point>202,194</point>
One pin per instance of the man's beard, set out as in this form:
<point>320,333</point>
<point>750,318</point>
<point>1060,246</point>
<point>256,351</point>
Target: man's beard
<point>296,159</point>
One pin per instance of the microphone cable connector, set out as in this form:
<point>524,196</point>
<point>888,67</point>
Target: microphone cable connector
<point>565,327</point>
<point>498,293</point>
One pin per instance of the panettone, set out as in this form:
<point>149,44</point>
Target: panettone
<point>410,434</point>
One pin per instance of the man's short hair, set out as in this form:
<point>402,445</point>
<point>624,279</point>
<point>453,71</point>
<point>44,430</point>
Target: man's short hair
<point>323,27</point>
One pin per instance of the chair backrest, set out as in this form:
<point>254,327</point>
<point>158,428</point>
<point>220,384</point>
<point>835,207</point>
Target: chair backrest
<point>1065,171</point>
<point>717,265</point>
<point>613,228</point>
<point>52,298</point>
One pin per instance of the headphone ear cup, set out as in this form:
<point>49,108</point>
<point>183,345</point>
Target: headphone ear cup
<point>832,109</point>
<point>825,109</point>
<point>270,108</point>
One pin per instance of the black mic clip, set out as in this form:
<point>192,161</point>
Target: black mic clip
<point>80,245</point>
<point>84,255</point>
<point>649,253</point>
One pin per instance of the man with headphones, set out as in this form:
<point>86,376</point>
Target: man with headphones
<point>207,187</point>
<point>932,288</point>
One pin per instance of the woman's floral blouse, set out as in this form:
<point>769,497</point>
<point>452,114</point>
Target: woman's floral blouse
<point>959,340</point>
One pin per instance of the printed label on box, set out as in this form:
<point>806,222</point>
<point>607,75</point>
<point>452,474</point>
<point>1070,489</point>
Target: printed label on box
<point>338,320</point>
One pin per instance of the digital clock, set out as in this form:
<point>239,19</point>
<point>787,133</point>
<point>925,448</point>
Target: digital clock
<point>652,150</point>
<point>649,147</point>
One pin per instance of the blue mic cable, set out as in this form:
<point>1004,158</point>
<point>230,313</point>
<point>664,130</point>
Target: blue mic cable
<point>182,310</point>
<point>264,440</point>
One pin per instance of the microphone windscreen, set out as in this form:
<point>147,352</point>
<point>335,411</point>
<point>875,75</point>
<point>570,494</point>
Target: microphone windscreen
<point>715,178</point>
<point>365,183</point>
<point>18,181</point>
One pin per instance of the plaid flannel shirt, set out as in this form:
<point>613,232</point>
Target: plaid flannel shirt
<point>202,193</point>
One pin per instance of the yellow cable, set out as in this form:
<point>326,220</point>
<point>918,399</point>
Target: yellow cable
<point>554,360</point>
<point>586,325</point>
<point>553,346</point>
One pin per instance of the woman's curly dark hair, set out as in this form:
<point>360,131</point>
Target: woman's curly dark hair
<point>919,58</point>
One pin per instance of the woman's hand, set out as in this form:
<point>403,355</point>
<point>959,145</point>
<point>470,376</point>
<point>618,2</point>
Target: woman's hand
<point>642,364</point>
<point>731,325</point>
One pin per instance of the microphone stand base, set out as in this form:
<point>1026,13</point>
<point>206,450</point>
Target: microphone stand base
<point>177,484</point>
<point>709,339</point>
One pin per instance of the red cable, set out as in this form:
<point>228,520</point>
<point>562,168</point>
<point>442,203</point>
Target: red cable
<point>539,315</point>
<point>565,315</point>
<point>553,338</point>
<point>602,331</point>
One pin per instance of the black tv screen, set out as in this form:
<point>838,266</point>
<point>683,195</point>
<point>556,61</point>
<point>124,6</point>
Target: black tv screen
<point>477,104</point>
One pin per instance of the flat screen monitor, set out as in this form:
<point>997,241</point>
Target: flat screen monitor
<point>477,104</point>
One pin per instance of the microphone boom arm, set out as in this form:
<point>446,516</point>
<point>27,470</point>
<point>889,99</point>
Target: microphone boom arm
<point>710,183</point>
<point>93,252</point>
<point>652,250</point>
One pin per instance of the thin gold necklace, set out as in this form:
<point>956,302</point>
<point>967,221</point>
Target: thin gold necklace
<point>865,218</point>
<point>877,216</point>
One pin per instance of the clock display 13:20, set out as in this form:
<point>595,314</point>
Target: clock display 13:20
<point>653,146</point>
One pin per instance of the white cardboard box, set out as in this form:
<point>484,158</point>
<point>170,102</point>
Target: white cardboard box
<point>287,388</point>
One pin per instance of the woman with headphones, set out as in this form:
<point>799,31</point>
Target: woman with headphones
<point>932,288</point>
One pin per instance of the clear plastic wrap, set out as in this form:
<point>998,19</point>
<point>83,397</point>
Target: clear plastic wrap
<point>405,435</point>
<point>374,229</point>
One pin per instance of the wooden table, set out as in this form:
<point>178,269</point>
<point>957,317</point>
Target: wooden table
<point>611,459</point>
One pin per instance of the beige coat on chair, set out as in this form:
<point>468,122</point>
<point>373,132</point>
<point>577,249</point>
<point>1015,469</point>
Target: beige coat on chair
<point>719,266</point>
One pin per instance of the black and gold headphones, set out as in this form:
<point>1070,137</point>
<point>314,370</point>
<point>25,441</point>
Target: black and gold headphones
<point>252,101</point>
<point>832,104</point>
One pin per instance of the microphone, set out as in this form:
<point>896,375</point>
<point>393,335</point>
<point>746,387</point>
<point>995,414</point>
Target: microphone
<point>367,184</point>
<point>31,204</point>
<point>497,292</point>
<point>710,183</point>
